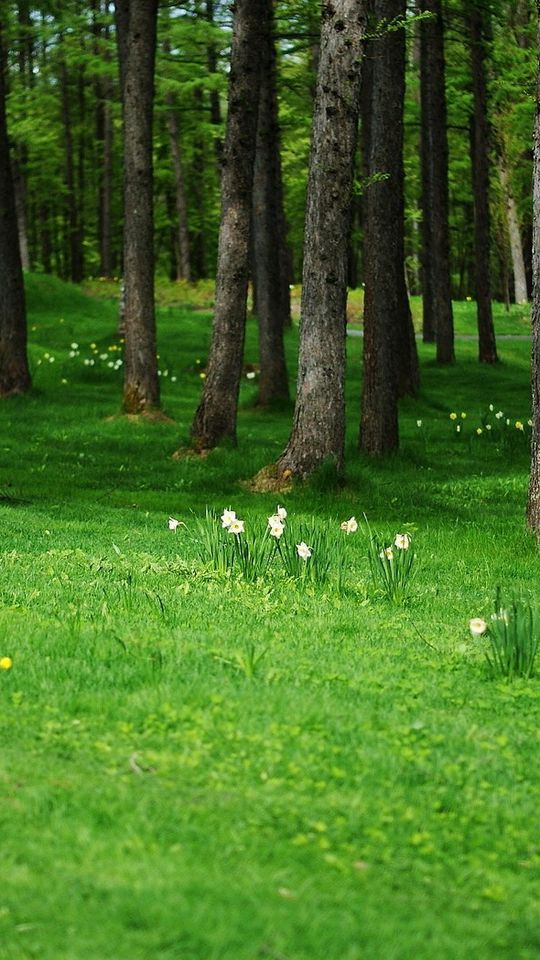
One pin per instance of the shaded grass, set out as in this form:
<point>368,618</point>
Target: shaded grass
<point>369,792</point>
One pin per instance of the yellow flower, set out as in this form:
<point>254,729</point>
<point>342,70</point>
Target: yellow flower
<point>453,416</point>
<point>6,663</point>
<point>463,416</point>
<point>479,430</point>
<point>519,425</point>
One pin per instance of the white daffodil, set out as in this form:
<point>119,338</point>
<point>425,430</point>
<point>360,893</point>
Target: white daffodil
<point>236,526</point>
<point>349,526</point>
<point>499,415</point>
<point>276,529</point>
<point>282,513</point>
<point>402,541</point>
<point>387,554</point>
<point>418,423</point>
<point>303,551</point>
<point>250,375</point>
<point>477,626</point>
<point>227,518</point>
<point>173,524</point>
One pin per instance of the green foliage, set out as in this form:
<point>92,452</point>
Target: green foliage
<point>513,634</point>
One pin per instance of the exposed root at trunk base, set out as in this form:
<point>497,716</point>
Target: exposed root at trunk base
<point>270,480</point>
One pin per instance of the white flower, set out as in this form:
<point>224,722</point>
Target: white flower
<point>349,526</point>
<point>488,426</point>
<point>276,529</point>
<point>491,407</point>
<point>303,551</point>
<point>418,423</point>
<point>387,554</point>
<point>529,422</point>
<point>74,346</point>
<point>282,513</point>
<point>227,518</point>
<point>499,415</point>
<point>236,526</point>
<point>173,524</point>
<point>402,541</point>
<point>250,375</point>
<point>458,428</point>
<point>477,626</point>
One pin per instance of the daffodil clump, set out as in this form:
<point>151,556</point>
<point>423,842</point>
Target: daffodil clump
<point>495,426</point>
<point>392,565</point>
<point>512,634</point>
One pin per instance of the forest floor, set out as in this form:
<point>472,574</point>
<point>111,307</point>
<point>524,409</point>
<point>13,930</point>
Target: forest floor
<point>196,767</point>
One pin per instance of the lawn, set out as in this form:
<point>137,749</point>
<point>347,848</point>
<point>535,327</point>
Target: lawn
<point>198,768</point>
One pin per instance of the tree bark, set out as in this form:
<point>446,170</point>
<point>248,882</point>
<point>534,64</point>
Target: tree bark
<point>437,296</point>
<point>183,262</point>
<point>533,502</point>
<point>390,359</point>
<point>271,308</point>
<point>141,383</point>
<point>318,432</point>
<point>480,145</point>
<point>14,372</point>
<point>215,419</point>
<point>73,239</point>
<point>514,235</point>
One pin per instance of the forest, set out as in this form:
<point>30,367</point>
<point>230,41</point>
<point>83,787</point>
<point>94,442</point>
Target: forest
<point>269,479</point>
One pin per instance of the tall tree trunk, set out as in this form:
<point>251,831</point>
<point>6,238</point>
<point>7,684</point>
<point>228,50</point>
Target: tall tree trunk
<point>390,360</point>
<point>19,187</point>
<point>514,235</point>
<point>319,418</point>
<point>437,296</point>
<point>138,47</point>
<point>104,151</point>
<point>480,145</point>
<point>14,372</point>
<point>73,248</point>
<point>215,106</point>
<point>533,502</point>
<point>216,415</point>
<point>271,309</point>
<point>183,262</point>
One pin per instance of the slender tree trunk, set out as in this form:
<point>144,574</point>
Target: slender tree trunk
<point>14,372</point>
<point>73,252</point>
<point>138,47</point>
<point>437,298</point>
<point>390,360</point>
<point>514,235</point>
<point>216,415</point>
<point>480,143</point>
<point>104,151</point>
<point>183,261</point>
<point>215,106</point>
<point>318,432</point>
<point>533,503</point>
<point>271,309</point>
<point>19,187</point>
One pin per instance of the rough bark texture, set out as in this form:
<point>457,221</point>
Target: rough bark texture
<point>514,235</point>
<point>141,384</point>
<point>216,415</point>
<point>318,431</point>
<point>73,245</point>
<point>480,144</point>
<point>14,373</point>
<point>436,287</point>
<point>390,361</point>
<point>533,503</point>
<point>272,309</point>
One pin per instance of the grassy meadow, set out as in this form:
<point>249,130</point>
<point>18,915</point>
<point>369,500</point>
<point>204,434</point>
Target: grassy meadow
<point>194,767</point>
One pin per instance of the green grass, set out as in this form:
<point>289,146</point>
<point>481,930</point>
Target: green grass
<point>198,768</point>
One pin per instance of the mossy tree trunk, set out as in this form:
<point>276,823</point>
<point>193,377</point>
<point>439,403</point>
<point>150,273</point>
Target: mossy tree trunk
<point>136,29</point>
<point>216,416</point>
<point>14,372</point>
<point>318,432</point>
<point>533,503</point>
<point>273,307</point>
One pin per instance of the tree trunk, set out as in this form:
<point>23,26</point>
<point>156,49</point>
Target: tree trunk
<point>73,246</point>
<point>437,296</point>
<point>104,152</point>
<point>141,383</point>
<point>271,309</point>
<point>533,502</point>
<point>183,263</point>
<point>318,432</point>
<point>216,415</point>
<point>390,360</point>
<point>480,143</point>
<point>514,235</point>
<point>14,372</point>
<point>215,107</point>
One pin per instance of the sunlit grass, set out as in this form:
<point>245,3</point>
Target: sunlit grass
<point>202,768</point>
